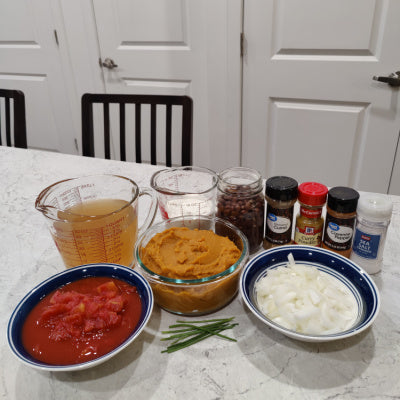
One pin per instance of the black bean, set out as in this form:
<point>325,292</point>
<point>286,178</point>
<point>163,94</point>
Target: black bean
<point>247,214</point>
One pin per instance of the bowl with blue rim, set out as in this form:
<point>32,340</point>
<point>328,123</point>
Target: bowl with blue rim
<point>340,271</point>
<point>48,286</point>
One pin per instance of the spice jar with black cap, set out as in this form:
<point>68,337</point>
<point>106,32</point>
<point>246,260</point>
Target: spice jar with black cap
<point>280,195</point>
<point>340,220</point>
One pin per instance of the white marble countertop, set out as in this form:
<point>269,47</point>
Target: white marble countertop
<point>261,364</point>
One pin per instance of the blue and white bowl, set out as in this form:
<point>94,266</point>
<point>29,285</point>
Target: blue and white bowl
<point>350,274</point>
<point>24,307</point>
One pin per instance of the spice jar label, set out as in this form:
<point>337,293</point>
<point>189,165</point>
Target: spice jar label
<point>278,224</point>
<point>366,245</point>
<point>339,234</point>
<point>308,236</point>
<point>310,213</point>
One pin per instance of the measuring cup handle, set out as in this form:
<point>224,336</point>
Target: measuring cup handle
<point>152,210</point>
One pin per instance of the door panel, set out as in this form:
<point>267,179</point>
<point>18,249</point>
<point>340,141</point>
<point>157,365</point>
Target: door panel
<point>327,124</point>
<point>310,107</point>
<point>180,47</point>
<point>151,22</point>
<point>313,25</point>
<point>29,61</point>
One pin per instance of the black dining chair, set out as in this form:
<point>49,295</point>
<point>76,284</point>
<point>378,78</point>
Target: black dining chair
<point>154,101</point>
<point>17,135</point>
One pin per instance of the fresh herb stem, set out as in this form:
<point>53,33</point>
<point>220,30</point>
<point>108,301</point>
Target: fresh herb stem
<point>177,330</point>
<point>179,336</point>
<point>208,320</point>
<point>212,330</point>
<point>189,342</point>
<point>192,333</point>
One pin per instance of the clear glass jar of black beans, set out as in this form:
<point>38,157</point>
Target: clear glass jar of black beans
<point>241,202</point>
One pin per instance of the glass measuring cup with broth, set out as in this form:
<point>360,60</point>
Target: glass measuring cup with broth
<point>95,218</point>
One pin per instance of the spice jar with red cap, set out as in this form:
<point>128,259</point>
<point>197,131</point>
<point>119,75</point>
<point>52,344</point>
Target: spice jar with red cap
<point>309,221</point>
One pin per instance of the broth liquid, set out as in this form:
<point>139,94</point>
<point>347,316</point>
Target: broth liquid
<point>92,232</point>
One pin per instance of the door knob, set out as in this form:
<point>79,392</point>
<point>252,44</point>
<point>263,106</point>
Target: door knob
<point>109,63</point>
<point>393,79</point>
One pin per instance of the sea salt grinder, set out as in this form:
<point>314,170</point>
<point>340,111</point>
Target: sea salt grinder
<point>374,212</point>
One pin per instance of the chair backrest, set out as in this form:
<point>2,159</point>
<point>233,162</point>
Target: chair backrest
<point>19,125</point>
<point>138,100</point>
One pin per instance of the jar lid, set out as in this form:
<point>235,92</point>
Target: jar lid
<point>281,188</point>
<point>313,193</point>
<point>240,180</point>
<point>375,206</point>
<point>343,199</point>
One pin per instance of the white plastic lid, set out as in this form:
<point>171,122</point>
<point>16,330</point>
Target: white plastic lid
<point>375,206</point>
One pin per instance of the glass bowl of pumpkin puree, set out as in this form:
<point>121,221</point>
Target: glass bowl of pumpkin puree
<point>192,263</point>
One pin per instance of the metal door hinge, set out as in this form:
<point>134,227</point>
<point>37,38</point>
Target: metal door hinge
<point>76,144</point>
<point>242,43</point>
<point>56,37</point>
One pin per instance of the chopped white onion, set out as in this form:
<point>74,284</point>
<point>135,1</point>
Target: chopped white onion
<point>306,300</point>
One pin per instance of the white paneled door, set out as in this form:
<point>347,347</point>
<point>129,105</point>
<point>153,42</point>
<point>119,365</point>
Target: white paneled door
<point>30,61</point>
<point>311,109</point>
<point>180,47</point>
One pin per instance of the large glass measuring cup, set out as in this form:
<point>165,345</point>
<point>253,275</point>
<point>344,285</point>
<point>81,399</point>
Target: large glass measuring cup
<point>185,191</point>
<point>95,218</point>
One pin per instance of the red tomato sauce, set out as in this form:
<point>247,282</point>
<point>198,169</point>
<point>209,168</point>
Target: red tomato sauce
<point>81,321</point>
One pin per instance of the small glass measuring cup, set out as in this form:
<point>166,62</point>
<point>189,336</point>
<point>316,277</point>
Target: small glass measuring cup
<point>185,191</point>
<point>95,218</point>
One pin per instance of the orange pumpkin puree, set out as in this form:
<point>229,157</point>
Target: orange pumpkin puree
<point>183,253</point>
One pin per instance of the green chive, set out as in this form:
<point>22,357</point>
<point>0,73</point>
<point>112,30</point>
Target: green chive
<point>191,333</point>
